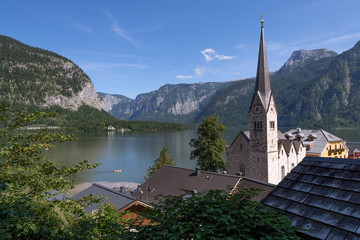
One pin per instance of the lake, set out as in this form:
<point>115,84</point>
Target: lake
<point>133,153</point>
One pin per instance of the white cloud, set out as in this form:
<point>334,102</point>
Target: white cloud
<point>341,38</point>
<point>183,77</point>
<point>119,31</point>
<point>108,66</point>
<point>84,28</point>
<point>210,55</point>
<point>240,46</point>
<point>198,73</point>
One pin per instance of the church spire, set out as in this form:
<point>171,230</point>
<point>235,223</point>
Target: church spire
<point>262,76</point>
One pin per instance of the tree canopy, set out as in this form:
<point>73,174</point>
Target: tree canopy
<point>214,215</point>
<point>164,158</point>
<point>32,203</point>
<point>209,145</point>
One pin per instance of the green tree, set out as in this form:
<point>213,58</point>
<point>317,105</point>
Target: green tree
<point>214,215</point>
<point>209,146</point>
<point>164,158</point>
<point>29,184</point>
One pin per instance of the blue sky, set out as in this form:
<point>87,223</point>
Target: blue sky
<point>136,46</point>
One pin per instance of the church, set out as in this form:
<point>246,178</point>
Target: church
<point>263,153</point>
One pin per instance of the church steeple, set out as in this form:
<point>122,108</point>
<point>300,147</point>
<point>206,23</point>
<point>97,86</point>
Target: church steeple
<point>262,86</point>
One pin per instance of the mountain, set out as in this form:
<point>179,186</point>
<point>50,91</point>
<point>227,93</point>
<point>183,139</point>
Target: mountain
<point>231,100</point>
<point>333,98</point>
<point>171,102</point>
<point>289,85</point>
<point>117,105</point>
<point>33,79</point>
<point>31,75</point>
<point>301,57</point>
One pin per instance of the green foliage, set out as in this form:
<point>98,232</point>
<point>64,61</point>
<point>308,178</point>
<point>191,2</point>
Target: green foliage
<point>29,184</point>
<point>88,119</point>
<point>209,146</point>
<point>214,215</point>
<point>164,158</point>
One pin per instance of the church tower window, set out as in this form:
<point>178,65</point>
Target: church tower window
<point>272,125</point>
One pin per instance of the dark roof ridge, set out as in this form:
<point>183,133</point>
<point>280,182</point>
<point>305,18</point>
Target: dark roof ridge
<point>113,191</point>
<point>257,181</point>
<point>332,160</point>
<point>203,171</point>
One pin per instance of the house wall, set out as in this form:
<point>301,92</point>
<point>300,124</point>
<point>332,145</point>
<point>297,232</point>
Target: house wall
<point>237,156</point>
<point>301,154</point>
<point>335,150</point>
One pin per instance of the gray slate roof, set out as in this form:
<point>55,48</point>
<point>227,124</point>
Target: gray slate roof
<point>321,195</point>
<point>321,136</point>
<point>120,200</point>
<point>352,146</point>
<point>172,180</point>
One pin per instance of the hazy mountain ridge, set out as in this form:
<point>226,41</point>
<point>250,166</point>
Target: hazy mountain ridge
<point>171,102</point>
<point>231,100</point>
<point>31,75</point>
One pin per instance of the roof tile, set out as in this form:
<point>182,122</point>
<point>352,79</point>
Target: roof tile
<point>297,221</point>
<point>328,217</point>
<point>321,190</point>
<point>351,186</point>
<point>337,234</point>
<point>349,223</point>
<point>315,229</point>
<point>295,195</point>
<point>343,208</point>
<point>341,194</point>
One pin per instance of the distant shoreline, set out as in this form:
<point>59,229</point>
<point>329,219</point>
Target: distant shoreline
<point>80,187</point>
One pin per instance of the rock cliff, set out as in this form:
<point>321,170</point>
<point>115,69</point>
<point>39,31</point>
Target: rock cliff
<point>35,76</point>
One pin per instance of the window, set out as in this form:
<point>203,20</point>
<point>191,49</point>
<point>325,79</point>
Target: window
<point>272,125</point>
<point>282,172</point>
<point>258,125</point>
<point>242,169</point>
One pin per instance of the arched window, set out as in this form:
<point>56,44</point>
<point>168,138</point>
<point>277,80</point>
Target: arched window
<point>282,172</point>
<point>242,169</point>
<point>292,165</point>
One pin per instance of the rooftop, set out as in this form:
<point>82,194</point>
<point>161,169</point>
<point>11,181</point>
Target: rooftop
<point>172,180</point>
<point>120,200</point>
<point>321,195</point>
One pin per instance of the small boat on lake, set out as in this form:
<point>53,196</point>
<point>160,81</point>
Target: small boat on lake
<point>117,170</point>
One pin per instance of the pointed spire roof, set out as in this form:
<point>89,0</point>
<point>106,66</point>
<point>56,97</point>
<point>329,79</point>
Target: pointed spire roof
<point>262,85</point>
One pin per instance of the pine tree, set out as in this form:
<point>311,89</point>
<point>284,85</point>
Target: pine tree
<point>209,146</point>
<point>164,158</point>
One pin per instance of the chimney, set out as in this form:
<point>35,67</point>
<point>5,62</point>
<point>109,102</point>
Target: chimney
<point>197,170</point>
<point>298,130</point>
